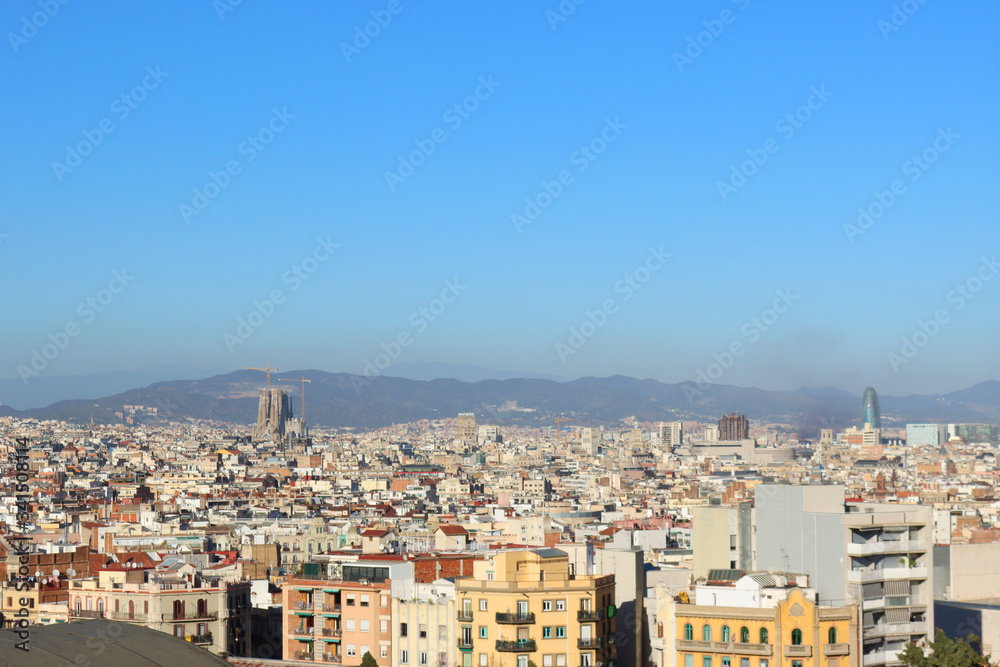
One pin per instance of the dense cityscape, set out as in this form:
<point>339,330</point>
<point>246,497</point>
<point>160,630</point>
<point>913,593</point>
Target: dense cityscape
<point>460,543</point>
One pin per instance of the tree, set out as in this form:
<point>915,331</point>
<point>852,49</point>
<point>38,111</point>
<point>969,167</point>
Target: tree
<point>368,660</point>
<point>946,652</point>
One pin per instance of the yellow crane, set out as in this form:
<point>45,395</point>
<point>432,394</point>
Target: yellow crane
<point>559,423</point>
<point>268,369</point>
<point>302,416</point>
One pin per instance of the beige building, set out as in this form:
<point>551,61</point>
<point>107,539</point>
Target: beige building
<point>465,429</point>
<point>425,627</point>
<point>215,615</point>
<point>524,606</point>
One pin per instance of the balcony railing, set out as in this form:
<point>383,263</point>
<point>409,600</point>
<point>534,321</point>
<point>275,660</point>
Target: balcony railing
<point>304,655</point>
<point>335,608</point>
<point>465,615</point>
<point>725,647</point>
<point>331,657</point>
<point>798,650</point>
<point>516,618</point>
<point>464,642</point>
<point>516,646</point>
<point>86,613</point>
<point>303,631</point>
<point>836,649</point>
<point>589,643</point>
<point>303,604</point>
<point>589,615</point>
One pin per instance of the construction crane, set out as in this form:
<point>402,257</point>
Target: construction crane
<point>268,369</point>
<point>303,381</point>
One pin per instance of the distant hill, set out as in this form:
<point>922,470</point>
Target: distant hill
<point>350,401</point>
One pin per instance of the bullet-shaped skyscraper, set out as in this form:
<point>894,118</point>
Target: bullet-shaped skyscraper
<point>870,415</point>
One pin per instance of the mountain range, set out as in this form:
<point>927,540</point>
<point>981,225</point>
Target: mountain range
<point>342,400</point>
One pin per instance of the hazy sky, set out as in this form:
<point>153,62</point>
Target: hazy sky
<point>625,123</point>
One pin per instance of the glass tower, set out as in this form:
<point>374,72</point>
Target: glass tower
<point>869,409</point>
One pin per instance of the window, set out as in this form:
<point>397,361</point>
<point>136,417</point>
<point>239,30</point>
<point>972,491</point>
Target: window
<point>350,600</point>
<point>383,626</point>
<point>706,661</point>
<point>402,629</point>
<point>403,657</point>
<point>482,632</point>
<point>423,631</point>
<point>689,660</point>
<point>364,649</point>
<point>384,651</point>
<point>706,633</point>
<point>547,660</point>
<point>546,605</point>
<point>796,637</point>
<point>364,600</point>
<point>561,660</point>
<point>384,601</point>
<point>349,625</point>
<point>423,657</point>
<point>364,625</point>
<point>546,633</point>
<point>796,663</point>
<point>832,636</point>
<point>178,631</point>
<point>833,662</point>
<point>522,661</point>
<point>763,662</point>
<point>482,605</point>
<point>466,635</point>
<point>659,630</point>
<point>688,631</point>
<point>744,662</point>
<point>763,640</point>
<point>483,660</point>
<point>725,635</point>
<point>725,661</point>
<point>585,660</point>
<point>560,631</point>
<point>351,650</point>
<point>560,605</point>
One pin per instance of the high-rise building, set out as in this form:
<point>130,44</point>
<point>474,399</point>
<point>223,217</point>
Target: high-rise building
<point>590,440</point>
<point>274,410</point>
<point>923,435</point>
<point>671,434</point>
<point>870,414</point>
<point>734,426</point>
<point>711,433</point>
<point>525,605</point>
<point>465,429</point>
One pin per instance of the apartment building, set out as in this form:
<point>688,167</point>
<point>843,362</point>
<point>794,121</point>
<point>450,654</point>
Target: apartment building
<point>338,621</point>
<point>876,555</point>
<point>425,627</point>
<point>213,614</point>
<point>524,606</point>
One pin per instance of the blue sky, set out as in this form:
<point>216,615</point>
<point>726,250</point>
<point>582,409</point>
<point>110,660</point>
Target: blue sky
<point>345,120</point>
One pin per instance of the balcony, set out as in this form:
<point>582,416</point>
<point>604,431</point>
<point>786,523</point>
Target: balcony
<point>465,615</point>
<point>516,618</point>
<point>725,647</point>
<point>303,604</point>
<point>589,615</point>
<point>836,649</point>
<point>86,613</point>
<point>516,646</point>
<point>465,642</point>
<point>590,643</point>
<point>883,629</point>
<point>886,574</point>
<point>304,655</point>
<point>333,608</point>
<point>303,631</point>
<point>202,640</point>
<point>887,547</point>
<point>331,657</point>
<point>798,650</point>
<point>332,632</point>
